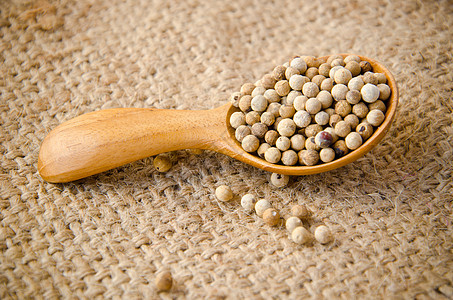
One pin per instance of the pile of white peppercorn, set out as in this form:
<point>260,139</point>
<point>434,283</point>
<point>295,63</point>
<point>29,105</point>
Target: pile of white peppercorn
<point>310,111</point>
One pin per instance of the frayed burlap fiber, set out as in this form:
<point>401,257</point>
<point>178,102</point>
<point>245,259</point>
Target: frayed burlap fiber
<point>107,236</point>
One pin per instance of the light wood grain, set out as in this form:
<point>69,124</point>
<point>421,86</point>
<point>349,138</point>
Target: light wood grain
<point>106,139</point>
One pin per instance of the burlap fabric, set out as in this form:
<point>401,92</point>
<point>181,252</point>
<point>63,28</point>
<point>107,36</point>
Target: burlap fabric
<point>108,235</point>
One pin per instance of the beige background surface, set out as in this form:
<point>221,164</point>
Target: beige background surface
<point>106,236</point>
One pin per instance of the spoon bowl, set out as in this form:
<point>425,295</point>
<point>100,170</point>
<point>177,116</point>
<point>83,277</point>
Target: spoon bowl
<point>106,139</point>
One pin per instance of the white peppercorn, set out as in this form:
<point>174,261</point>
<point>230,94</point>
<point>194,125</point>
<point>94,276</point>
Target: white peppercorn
<point>297,142</point>
<point>356,83</point>
<point>289,158</point>
<point>308,157</point>
<point>162,163</point>
<point>311,72</point>
<point>244,103</point>
<point>292,222</point>
<point>384,91</point>
<point>360,109</point>
<point>327,84</point>
<point>342,128</point>
<point>283,143</point>
<point>327,155</point>
<point>299,102</point>
<point>375,117</point>
<point>343,108</point>
<point>324,69</point>
<point>312,129</point>
<point>290,71</point>
<point>353,140</point>
<point>250,143</point>
<point>318,79</point>
<point>262,149</point>
<point>271,216</point>
<point>279,180</point>
<point>311,61</point>
<point>322,234</point>
<point>272,155</point>
<point>279,72</point>
<point>331,58</point>
<point>237,119</point>
<point>282,87</point>
<point>337,62</point>
<point>286,111</point>
<point>369,77</point>
<point>342,76</point>
<point>271,96</point>
<point>286,127</point>
<point>340,148</point>
<point>259,130</point>
<point>300,211</point>
<point>259,103</point>
<point>259,90</point>
<point>339,91</point>
<point>352,119</point>
<point>224,193</point>
<point>322,118</point>
<point>379,104</point>
<point>313,106</point>
<point>323,139</point>
<point>234,98</point>
<point>248,202</point>
<point>325,98</point>
<point>252,117</point>
<point>268,81</point>
<point>310,89</point>
<point>261,206</point>
<point>271,137</point>
<point>267,118</point>
<point>365,130</point>
<point>299,64</point>
<point>354,68</point>
<point>300,235</point>
<point>353,96</point>
<point>241,132</point>
<point>247,88</point>
<point>274,108</point>
<point>296,82</point>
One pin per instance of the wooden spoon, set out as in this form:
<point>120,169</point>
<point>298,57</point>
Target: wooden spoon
<point>106,139</point>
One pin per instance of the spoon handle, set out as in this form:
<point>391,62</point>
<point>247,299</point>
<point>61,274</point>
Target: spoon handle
<point>106,139</point>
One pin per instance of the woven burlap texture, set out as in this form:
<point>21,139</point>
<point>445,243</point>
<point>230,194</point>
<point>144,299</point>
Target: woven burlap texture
<point>107,236</point>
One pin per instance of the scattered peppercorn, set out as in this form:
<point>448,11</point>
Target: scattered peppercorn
<point>323,234</point>
<point>162,163</point>
<point>224,193</point>
<point>164,281</point>
<point>279,180</point>
<point>271,216</point>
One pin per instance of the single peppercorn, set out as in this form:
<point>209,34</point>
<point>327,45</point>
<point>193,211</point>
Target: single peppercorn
<point>279,180</point>
<point>247,88</point>
<point>262,149</point>
<point>261,206</point>
<point>259,130</point>
<point>322,118</point>
<point>244,103</point>
<point>271,216</point>
<point>292,222</point>
<point>271,96</point>
<point>252,117</point>
<point>279,73</point>
<point>313,106</point>
<point>164,281</point>
<point>272,155</point>
<point>258,103</point>
<point>342,76</point>
<point>289,158</point>
<point>311,72</point>
<point>369,77</point>
<point>162,163</point>
<point>342,128</point>
<point>286,111</point>
<point>352,119</point>
<point>299,102</point>
<point>378,105</point>
<point>365,130</point>
<point>299,64</point>
<point>234,98</point>
<point>365,66</point>
<point>290,71</point>
<point>237,119</point>
<point>318,79</point>
<point>250,143</point>
<point>339,91</point>
<point>308,157</point>
<point>375,117</point>
<point>296,82</point>
<point>353,140</point>
<point>356,83</point>
<point>353,96</point>
<point>384,91</point>
<point>224,193</point>
<point>283,143</point>
<point>312,129</point>
<point>271,137</point>
<point>334,119</point>
<point>340,148</point>
<point>327,84</point>
<point>268,81</point>
<point>282,87</point>
<point>354,68</point>
<point>310,89</point>
<point>325,98</point>
<point>291,96</point>
<point>300,211</point>
<point>322,234</point>
<point>258,90</point>
<point>267,118</point>
<point>300,235</point>
<point>324,69</point>
<point>297,142</point>
<point>286,127</point>
<point>352,57</point>
<point>248,202</point>
<point>360,110</point>
<point>302,118</point>
<point>326,155</point>
<point>274,108</point>
<point>343,108</point>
